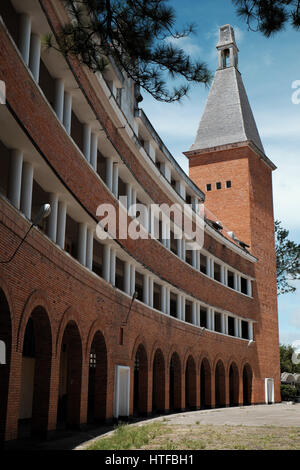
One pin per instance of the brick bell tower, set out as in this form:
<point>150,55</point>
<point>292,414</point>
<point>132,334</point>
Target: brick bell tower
<point>227,160</point>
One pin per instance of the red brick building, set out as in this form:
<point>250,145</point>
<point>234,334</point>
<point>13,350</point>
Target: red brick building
<point>79,347</point>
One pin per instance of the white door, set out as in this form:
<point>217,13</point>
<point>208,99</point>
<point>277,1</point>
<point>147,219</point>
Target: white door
<point>269,391</point>
<point>122,391</point>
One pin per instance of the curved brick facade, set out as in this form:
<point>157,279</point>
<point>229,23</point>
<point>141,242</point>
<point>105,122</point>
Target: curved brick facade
<point>69,331</point>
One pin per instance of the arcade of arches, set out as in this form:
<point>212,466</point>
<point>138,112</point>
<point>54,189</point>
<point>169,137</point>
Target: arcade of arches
<point>60,381</point>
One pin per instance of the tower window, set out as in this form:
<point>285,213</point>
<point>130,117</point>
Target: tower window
<point>219,185</point>
<point>208,187</point>
<point>228,184</point>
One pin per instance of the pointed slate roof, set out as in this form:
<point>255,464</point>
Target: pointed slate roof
<point>227,116</point>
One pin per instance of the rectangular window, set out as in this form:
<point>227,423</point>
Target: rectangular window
<point>231,326</point>
<point>219,185</point>
<point>218,326</point>
<point>228,184</point>
<point>244,286</point>
<point>203,264</point>
<point>208,187</point>
<point>217,272</point>
<point>230,279</point>
<point>245,332</point>
<point>203,317</point>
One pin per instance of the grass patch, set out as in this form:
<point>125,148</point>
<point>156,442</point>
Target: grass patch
<point>165,436</point>
<point>130,437</point>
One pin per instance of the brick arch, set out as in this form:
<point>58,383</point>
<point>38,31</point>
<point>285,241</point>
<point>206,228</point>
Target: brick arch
<point>190,375</point>
<point>97,325</point>
<point>38,298</point>
<point>11,305</point>
<point>219,373</point>
<point>205,355</point>
<point>175,378</point>
<point>205,380</point>
<point>187,354</point>
<point>174,349</point>
<point>140,340</point>
<point>70,315</point>
<point>158,368</point>
<point>157,345</point>
<point>232,359</point>
<point>233,381</point>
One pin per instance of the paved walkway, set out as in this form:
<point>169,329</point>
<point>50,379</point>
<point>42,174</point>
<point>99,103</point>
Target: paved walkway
<point>281,414</point>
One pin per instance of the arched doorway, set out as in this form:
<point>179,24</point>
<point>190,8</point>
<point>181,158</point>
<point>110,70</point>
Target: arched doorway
<point>97,379</point>
<point>68,410</point>
<point>220,399</point>
<point>5,337</point>
<point>36,374</point>
<point>190,384</point>
<point>233,385</point>
<point>158,382</point>
<point>205,384</point>
<point>247,385</point>
<point>140,392</point>
<point>175,382</point>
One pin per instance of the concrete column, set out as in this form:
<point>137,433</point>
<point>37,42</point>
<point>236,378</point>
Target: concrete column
<point>35,56</point>
<point>89,249</point>
<point>59,93</point>
<point>198,259</point>
<point>132,279</point>
<point>61,224</point>
<point>236,327</point>
<point>82,232</point>
<point>222,274</point>
<point>127,278</point>
<point>129,197</point>
<point>183,308</point>
<point>94,150</point>
<point>133,203</point>
<point>52,218</point>
<point>87,142</point>
<point>183,250</point>
<point>179,247</point>
<point>208,266</point>
<point>239,282</point>
<point>212,319</point>
<point>225,276</point>
<point>24,36</point>
<point>26,190</point>
<point>168,299</point>
<point>113,267</point>
<point>15,177</point>
<point>115,184</point>
<point>235,281</point>
<point>250,330</point>
<point>249,287</point>
<point>106,263</point>
<point>146,290</point>
<point>198,314</point>
<point>222,323</point>
<point>194,258</point>
<point>194,313</point>
<point>226,324</point>
<point>167,235</point>
<point>179,307</point>
<point>212,268</point>
<point>163,299</point>
<point>240,327</point>
<point>109,173</point>
<point>151,291</point>
<point>67,112</point>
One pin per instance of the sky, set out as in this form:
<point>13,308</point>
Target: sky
<point>270,67</point>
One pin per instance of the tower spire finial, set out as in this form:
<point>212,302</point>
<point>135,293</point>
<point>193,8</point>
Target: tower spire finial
<point>227,48</point>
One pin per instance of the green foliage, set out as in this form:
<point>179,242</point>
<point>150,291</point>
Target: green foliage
<point>288,392</point>
<point>287,260</point>
<point>269,16</point>
<point>138,35</point>
<point>286,364</point>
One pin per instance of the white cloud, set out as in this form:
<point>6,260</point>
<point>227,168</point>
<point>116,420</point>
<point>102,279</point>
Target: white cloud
<point>189,46</point>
